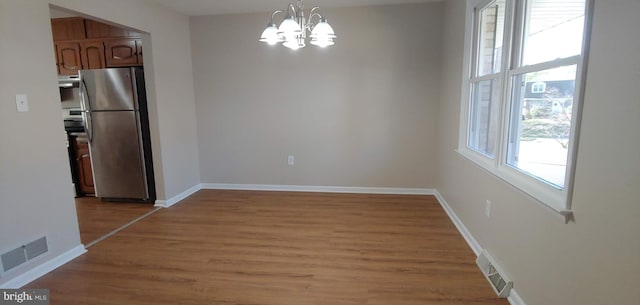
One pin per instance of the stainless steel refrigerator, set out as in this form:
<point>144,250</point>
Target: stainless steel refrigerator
<point>115,117</point>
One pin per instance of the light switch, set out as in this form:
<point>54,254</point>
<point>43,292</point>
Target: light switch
<point>22,103</point>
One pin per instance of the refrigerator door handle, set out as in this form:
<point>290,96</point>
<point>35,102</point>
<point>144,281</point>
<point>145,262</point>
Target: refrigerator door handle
<point>86,110</point>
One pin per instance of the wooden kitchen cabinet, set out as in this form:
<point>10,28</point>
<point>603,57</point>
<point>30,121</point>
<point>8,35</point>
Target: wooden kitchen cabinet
<point>89,44</point>
<point>96,29</point>
<point>68,29</point>
<point>68,55</point>
<point>123,52</point>
<point>83,163</point>
<point>73,56</point>
<point>92,54</point>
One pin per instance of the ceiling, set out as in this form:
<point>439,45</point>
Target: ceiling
<point>219,7</point>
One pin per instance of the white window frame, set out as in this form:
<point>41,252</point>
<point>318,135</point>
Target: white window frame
<point>554,198</point>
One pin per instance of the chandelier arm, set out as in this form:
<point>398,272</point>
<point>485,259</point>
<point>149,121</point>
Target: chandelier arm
<point>274,14</point>
<point>311,12</point>
<point>292,8</point>
<point>309,24</point>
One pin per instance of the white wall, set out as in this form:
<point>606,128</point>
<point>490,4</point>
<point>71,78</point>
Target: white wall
<point>360,113</point>
<point>36,197</point>
<point>596,259</point>
<point>35,193</point>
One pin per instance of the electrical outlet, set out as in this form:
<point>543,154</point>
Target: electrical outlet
<point>487,209</point>
<point>291,160</point>
<point>22,103</point>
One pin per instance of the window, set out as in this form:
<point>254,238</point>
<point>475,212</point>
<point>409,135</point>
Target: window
<point>485,83</point>
<point>521,107</point>
<point>538,87</point>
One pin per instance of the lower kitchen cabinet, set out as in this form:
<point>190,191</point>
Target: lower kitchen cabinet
<point>83,165</point>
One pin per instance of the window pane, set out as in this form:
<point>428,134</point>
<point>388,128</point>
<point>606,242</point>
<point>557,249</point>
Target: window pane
<point>541,123</point>
<point>553,29</point>
<point>484,116</point>
<point>490,36</point>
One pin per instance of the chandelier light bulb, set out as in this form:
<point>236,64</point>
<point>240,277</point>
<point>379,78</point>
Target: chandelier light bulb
<point>323,43</point>
<point>289,28</point>
<point>323,29</point>
<point>291,45</point>
<point>270,35</point>
<point>294,43</point>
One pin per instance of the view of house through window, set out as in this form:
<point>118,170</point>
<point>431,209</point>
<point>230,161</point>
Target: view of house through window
<point>542,99</point>
<point>542,123</point>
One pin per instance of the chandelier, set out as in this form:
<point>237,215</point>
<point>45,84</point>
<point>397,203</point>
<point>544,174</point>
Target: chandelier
<point>293,30</point>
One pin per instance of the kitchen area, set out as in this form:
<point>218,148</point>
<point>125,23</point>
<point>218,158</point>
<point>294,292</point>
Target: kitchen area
<point>104,109</point>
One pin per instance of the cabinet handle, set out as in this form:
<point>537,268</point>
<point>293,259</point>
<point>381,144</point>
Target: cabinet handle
<point>118,57</point>
<point>71,68</point>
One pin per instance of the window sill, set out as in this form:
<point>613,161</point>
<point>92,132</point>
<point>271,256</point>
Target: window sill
<point>552,199</point>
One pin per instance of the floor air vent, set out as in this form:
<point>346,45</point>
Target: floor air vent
<point>499,281</point>
<point>24,253</point>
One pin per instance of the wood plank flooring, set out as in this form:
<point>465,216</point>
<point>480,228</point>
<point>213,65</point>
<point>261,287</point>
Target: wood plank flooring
<point>280,248</point>
<point>97,218</point>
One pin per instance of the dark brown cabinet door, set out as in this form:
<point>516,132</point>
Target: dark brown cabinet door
<point>83,161</point>
<point>68,54</point>
<point>96,29</point>
<point>67,28</point>
<point>122,52</point>
<point>92,54</point>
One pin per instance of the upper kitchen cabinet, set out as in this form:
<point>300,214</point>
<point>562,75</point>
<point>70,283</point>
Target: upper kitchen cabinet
<point>92,54</point>
<point>97,29</point>
<point>88,44</point>
<point>123,52</point>
<point>68,55</point>
<point>85,54</point>
<point>68,29</point>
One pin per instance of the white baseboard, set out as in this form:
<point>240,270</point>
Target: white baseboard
<point>177,198</point>
<point>473,243</point>
<point>514,297</point>
<point>319,189</point>
<point>44,268</point>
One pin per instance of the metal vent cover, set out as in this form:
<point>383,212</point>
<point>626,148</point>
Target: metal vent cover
<point>13,259</point>
<point>24,253</point>
<point>36,248</point>
<point>500,282</point>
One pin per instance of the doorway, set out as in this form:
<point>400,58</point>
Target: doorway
<point>82,43</point>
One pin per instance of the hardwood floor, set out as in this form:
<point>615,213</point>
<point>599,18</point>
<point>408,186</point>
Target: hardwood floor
<point>97,218</point>
<point>246,247</point>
